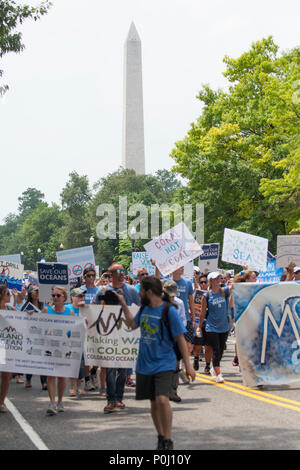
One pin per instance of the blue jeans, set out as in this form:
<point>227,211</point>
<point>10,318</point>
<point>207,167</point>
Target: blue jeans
<point>115,384</point>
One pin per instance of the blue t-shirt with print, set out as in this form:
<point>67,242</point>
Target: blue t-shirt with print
<point>218,319</point>
<point>156,350</point>
<point>90,293</point>
<point>185,288</point>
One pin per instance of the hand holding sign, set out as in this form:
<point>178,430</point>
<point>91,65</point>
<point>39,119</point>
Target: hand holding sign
<point>173,249</point>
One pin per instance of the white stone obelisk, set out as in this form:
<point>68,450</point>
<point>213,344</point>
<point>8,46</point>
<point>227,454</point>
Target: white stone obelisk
<point>133,151</point>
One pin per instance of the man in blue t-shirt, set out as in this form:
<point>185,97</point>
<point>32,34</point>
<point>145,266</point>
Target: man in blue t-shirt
<point>116,377</point>
<point>90,289</point>
<point>156,358</point>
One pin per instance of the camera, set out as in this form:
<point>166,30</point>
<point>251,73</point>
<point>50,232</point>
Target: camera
<point>109,298</point>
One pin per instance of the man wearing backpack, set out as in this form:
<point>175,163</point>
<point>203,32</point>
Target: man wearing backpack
<point>157,359</point>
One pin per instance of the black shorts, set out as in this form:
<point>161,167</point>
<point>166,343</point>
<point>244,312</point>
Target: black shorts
<point>148,387</point>
<point>189,332</point>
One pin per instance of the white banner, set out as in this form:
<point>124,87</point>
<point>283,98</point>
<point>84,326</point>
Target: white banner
<point>109,343</point>
<point>41,344</point>
<point>173,249</point>
<point>245,249</point>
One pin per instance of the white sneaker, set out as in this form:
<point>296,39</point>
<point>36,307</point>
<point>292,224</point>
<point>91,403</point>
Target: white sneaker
<point>220,379</point>
<point>52,410</point>
<point>3,409</point>
<point>60,407</point>
<point>212,373</point>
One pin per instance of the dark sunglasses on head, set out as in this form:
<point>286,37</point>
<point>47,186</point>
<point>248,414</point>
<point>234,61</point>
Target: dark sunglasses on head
<point>56,295</point>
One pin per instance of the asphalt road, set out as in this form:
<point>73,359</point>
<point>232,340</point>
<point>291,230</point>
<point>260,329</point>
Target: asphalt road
<point>210,417</point>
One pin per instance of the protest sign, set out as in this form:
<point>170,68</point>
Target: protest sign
<point>109,343</point>
<point>271,274</point>
<point>13,258</point>
<point>11,274</point>
<point>245,249</point>
<point>141,259</point>
<point>288,250</point>
<point>209,258</point>
<point>78,260</point>
<point>267,318</point>
<point>49,276</point>
<point>41,344</point>
<point>189,270</point>
<point>173,249</point>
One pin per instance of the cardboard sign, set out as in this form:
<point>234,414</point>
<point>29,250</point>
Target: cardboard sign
<point>78,260</point>
<point>141,259</point>
<point>245,249</point>
<point>288,250</point>
<point>49,276</point>
<point>11,274</point>
<point>173,249</point>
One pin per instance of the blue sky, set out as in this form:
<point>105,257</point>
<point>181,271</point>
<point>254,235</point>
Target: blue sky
<point>63,111</point>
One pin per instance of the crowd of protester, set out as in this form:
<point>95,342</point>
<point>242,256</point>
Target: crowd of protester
<point>200,315</point>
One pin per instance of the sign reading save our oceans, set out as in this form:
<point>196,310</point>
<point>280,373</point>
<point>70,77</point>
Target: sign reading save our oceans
<point>50,275</point>
<point>267,318</point>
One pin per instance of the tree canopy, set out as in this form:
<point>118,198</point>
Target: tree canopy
<point>241,157</point>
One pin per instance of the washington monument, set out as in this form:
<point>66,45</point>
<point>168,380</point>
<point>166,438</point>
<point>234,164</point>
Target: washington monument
<point>133,151</point>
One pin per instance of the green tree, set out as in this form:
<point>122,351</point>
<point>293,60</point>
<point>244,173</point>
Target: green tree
<point>28,201</point>
<point>75,198</point>
<point>12,16</point>
<point>239,144</point>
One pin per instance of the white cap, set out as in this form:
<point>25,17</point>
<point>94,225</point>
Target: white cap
<point>296,268</point>
<point>197,269</point>
<point>213,275</point>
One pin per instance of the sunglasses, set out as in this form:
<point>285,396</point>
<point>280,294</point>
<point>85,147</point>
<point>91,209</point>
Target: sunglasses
<point>56,295</point>
<point>79,295</point>
<point>119,271</point>
<point>203,282</point>
<point>143,274</point>
<point>90,275</point>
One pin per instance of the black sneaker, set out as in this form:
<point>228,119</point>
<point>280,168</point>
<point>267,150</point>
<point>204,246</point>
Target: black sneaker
<point>160,442</point>
<point>196,362</point>
<point>207,369</point>
<point>168,444</point>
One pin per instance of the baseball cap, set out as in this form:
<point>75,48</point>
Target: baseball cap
<point>171,288</point>
<point>76,291</point>
<point>197,269</point>
<point>296,269</point>
<point>32,288</point>
<point>213,275</point>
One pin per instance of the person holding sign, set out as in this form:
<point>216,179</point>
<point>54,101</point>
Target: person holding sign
<point>215,307</point>
<point>5,376</point>
<point>59,296</point>
<point>157,359</point>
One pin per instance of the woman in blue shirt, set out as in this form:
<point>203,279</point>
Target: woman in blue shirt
<point>215,308</point>
<point>59,296</point>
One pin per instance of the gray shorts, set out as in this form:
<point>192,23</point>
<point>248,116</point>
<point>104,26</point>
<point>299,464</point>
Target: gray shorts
<point>148,387</point>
